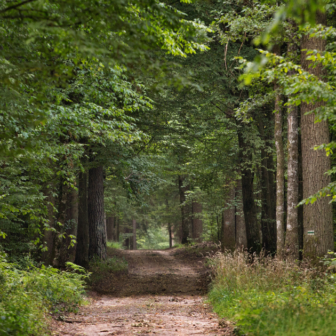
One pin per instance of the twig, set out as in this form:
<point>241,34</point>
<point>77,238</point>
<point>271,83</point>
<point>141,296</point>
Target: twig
<point>16,6</point>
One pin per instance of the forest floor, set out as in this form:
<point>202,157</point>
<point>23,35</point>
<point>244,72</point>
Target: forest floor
<point>162,293</point>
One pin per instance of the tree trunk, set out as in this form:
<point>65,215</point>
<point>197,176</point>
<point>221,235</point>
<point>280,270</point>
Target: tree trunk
<point>268,199</point>
<point>184,211</point>
<point>48,234</point>
<point>300,208</point>
<point>197,226</point>
<point>292,226</point>
<point>229,223</point>
<point>97,247</point>
<point>110,228</point>
<point>66,251</point>
<point>317,217</point>
<point>241,241</point>
<point>134,235</point>
<point>280,175</point>
<point>170,231</point>
<point>82,249</point>
<point>117,229</point>
<point>250,211</point>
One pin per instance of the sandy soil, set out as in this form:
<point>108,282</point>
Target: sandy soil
<point>162,294</point>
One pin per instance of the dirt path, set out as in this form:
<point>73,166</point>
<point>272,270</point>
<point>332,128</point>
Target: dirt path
<point>162,294</point>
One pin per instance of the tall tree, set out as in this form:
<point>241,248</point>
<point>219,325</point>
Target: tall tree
<point>82,248</point>
<point>317,217</point>
<point>292,225</point>
<point>229,222</point>
<point>185,213</point>
<point>280,173</point>
<point>96,214</point>
<point>249,206</point>
<point>241,241</point>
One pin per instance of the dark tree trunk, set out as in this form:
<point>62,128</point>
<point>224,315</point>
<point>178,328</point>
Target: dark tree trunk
<point>241,241</point>
<point>229,223</point>
<point>249,206</point>
<point>317,217</point>
<point>185,214</point>
<point>110,228</point>
<point>134,235</point>
<point>170,231</point>
<point>117,229</point>
<point>268,200</point>
<point>66,251</point>
<point>49,234</point>
<point>82,249</point>
<point>97,246</point>
<point>197,223</point>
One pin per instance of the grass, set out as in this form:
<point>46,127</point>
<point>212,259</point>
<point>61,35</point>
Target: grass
<point>273,297</point>
<point>28,295</point>
<point>115,245</point>
<point>101,268</point>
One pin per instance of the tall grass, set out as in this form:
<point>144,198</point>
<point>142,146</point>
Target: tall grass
<point>268,296</point>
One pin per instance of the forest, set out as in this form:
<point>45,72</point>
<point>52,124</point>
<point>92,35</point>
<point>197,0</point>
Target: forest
<point>149,125</point>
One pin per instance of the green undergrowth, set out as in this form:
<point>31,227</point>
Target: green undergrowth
<point>115,245</point>
<point>273,297</point>
<point>101,268</point>
<point>29,295</point>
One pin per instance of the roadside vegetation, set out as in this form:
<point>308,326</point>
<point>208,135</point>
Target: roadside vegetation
<point>30,295</point>
<point>268,296</point>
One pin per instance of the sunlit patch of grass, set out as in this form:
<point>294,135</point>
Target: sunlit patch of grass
<point>115,245</point>
<point>274,297</point>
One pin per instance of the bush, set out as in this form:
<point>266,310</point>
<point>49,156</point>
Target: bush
<point>273,297</point>
<point>28,295</point>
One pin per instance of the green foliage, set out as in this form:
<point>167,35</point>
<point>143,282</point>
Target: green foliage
<point>155,238</point>
<point>266,296</point>
<point>29,293</point>
<point>114,245</point>
<point>101,268</point>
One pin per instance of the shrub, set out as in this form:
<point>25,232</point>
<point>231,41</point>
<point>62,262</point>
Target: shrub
<point>269,296</point>
<point>28,295</point>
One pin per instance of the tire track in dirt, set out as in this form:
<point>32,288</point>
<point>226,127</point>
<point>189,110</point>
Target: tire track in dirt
<point>162,294</point>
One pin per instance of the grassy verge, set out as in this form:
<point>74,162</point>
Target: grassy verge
<point>28,295</point>
<point>101,268</point>
<point>273,297</point>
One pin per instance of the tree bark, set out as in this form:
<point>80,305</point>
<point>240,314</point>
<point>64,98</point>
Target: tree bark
<point>241,241</point>
<point>48,234</point>
<point>317,217</point>
<point>97,247</point>
<point>117,229</point>
<point>292,225</point>
<point>134,235</point>
<point>249,206</point>
<point>268,199</point>
<point>66,251</point>
<point>197,226</point>
<point>170,231</point>
<point>110,228</point>
<point>280,175</point>
<point>82,249</point>
<point>184,211</point>
<point>229,223</point>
